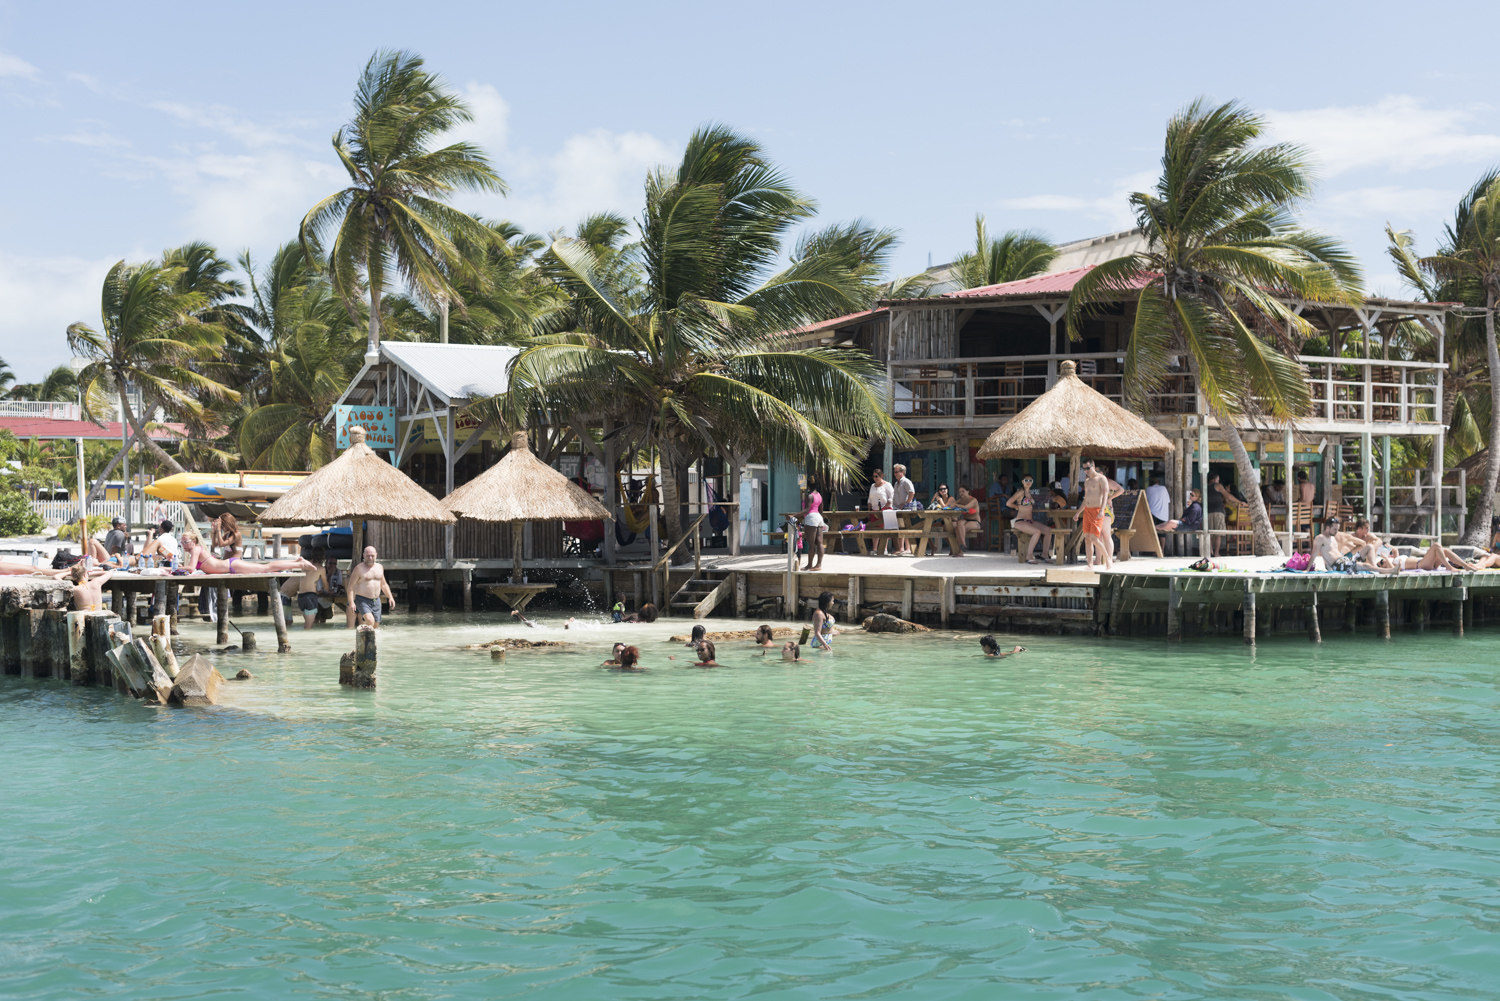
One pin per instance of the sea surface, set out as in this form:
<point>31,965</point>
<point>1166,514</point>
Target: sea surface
<point>1110,819</point>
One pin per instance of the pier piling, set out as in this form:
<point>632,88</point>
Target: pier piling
<point>221,614</point>
<point>1314,630</point>
<point>1383,614</point>
<point>1174,610</point>
<point>1249,615</point>
<point>278,620</point>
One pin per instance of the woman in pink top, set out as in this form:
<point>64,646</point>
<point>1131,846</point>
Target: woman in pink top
<point>813,525</point>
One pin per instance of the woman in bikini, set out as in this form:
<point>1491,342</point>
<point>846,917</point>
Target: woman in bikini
<point>1023,504</point>
<point>813,525</point>
<point>822,623</point>
<point>195,557</point>
<point>966,524</point>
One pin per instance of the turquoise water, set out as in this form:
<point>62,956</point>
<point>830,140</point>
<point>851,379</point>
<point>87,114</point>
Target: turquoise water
<point>1095,819</point>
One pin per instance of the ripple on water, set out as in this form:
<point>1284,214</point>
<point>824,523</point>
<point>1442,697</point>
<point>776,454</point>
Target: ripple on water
<point>1091,820</point>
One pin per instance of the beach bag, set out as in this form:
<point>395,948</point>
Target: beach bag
<point>888,519</point>
<point>1299,561</point>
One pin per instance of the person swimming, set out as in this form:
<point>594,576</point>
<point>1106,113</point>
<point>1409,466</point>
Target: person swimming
<point>706,654</point>
<point>790,651</point>
<point>699,635</point>
<point>765,638</point>
<point>992,648</point>
<point>614,656</point>
<point>630,659</point>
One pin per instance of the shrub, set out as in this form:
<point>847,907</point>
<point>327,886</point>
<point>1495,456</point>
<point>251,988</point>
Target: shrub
<point>16,515</point>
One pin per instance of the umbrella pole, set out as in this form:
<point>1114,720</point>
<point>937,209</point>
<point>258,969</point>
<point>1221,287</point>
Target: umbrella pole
<point>517,528</point>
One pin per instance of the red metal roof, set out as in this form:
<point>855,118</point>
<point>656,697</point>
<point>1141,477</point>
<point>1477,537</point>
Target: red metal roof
<point>46,428</point>
<point>1054,282</point>
<point>837,321</point>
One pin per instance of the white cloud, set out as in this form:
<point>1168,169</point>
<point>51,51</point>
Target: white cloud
<point>1397,133</point>
<point>42,295</point>
<point>1388,201</point>
<point>253,199</point>
<point>490,128</point>
<point>14,66</point>
<point>1112,209</point>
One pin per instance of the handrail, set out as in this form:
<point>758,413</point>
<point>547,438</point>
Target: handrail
<point>685,536</point>
<point>1097,355</point>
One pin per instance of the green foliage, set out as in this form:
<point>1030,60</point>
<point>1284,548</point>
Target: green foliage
<point>96,524</point>
<point>1013,255</point>
<point>679,339</point>
<point>60,386</point>
<point>16,515</point>
<point>391,221</point>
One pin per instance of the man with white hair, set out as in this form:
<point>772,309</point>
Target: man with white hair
<point>903,499</point>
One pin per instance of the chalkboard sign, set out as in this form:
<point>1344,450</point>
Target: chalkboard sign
<point>1124,506</point>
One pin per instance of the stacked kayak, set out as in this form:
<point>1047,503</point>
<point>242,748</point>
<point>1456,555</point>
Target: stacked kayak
<point>193,488</point>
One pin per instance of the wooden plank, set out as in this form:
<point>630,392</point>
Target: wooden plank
<point>1061,575</point>
<point>1022,591</point>
<point>906,598</point>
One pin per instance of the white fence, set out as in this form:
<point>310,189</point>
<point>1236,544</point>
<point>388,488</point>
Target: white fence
<point>57,512</point>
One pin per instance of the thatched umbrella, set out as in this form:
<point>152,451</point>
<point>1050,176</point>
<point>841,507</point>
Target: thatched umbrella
<point>1073,417</point>
<point>358,485</point>
<point>521,488</point>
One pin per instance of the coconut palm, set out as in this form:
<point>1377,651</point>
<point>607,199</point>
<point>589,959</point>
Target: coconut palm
<point>60,385</point>
<point>7,378</point>
<point>683,350</point>
<point>1471,256</point>
<point>1222,246</point>
<point>390,221</point>
<point>150,338</point>
<point>1011,256</point>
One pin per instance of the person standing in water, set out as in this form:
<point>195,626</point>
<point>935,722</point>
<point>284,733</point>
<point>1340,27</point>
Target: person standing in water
<point>366,586</point>
<point>822,623</point>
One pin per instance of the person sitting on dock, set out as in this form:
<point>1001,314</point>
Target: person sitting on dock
<point>992,649</point>
<point>966,524</point>
<point>366,586</point>
<point>1327,548</point>
<point>1192,516</point>
<point>1025,523</point>
<point>165,544</point>
<point>1096,497</point>
<point>88,594</point>
<point>117,540</point>
<point>305,589</point>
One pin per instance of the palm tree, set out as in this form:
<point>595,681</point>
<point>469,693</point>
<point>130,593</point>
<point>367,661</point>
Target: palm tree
<point>1471,254</point>
<point>150,338</point>
<point>60,385</point>
<point>1013,255</point>
<point>1222,246</point>
<point>391,218</point>
<point>684,350</point>
<point>7,378</point>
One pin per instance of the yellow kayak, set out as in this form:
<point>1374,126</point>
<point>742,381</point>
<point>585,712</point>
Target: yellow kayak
<point>190,488</point>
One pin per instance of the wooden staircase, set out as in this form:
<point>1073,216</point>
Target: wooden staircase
<point>702,595</point>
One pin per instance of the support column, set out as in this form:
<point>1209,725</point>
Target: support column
<point>1314,628</point>
<point>411,591</point>
<point>1420,614</point>
<point>278,618</point>
<point>1350,612</point>
<point>1385,480</point>
<point>1204,546</point>
<point>788,595</point>
<point>1367,472</point>
<point>221,613</point>
<point>174,598</point>
<point>1174,609</point>
<point>437,590</point>
<point>1289,485</point>
<point>906,598</point>
<point>1458,616</point>
<point>1249,617</point>
<point>741,595</point>
<point>945,599</point>
<point>468,590</point>
<point>856,596</point>
<point>1383,614</point>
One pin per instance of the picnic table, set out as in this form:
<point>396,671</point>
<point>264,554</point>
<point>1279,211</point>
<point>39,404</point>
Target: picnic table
<point>916,525</point>
<point>517,596</point>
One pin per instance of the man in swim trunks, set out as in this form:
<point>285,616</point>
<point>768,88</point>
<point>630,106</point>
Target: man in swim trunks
<point>1095,497</point>
<point>305,588</point>
<point>366,585</point>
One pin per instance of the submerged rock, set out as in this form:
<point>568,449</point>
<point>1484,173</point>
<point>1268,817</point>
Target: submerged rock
<point>782,633</point>
<point>514,644</point>
<point>198,683</point>
<point>243,675</point>
<point>883,623</point>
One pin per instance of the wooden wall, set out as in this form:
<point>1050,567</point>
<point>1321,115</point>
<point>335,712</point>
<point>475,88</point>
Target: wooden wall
<point>479,540</point>
<point>915,334</point>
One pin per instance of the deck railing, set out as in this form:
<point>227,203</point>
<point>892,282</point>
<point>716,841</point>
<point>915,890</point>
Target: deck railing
<point>1355,390</point>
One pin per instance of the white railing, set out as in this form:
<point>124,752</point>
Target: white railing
<point>58,512</point>
<point>45,409</point>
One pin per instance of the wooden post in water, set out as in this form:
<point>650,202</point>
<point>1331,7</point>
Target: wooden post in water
<point>159,598</point>
<point>1249,616</point>
<point>174,598</point>
<point>1174,609</point>
<point>856,596</point>
<point>411,591</point>
<point>221,612</point>
<point>741,595</point>
<point>468,590</point>
<point>278,619</point>
<point>78,663</point>
<point>364,657</point>
<point>1314,630</point>
<point>1458,616</point>
<point>788,595</point>
<point>1383,614</point>
<point>237,604</point>
<point>437,589</point>
<point>906,598</point>
<point>1350,612</point>
<point>639,591</point>
<point>263,602</point>
<point>1419,614</point>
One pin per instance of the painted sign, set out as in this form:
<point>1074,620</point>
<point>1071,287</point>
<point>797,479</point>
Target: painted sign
<point>379,424</point>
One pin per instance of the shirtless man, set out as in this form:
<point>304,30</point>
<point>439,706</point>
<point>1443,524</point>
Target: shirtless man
<point>305,588</point>
<point>1091,513</point>
<point>1328,545</point>
<point>366,585</point>
<point>88,595</point>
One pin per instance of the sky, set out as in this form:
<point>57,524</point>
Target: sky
<point>134,128</point>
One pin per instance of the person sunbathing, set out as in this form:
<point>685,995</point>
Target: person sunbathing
<point>27,568</point>
<point>1437,557</point>
<point>88,590</point>
<point>195,557</point>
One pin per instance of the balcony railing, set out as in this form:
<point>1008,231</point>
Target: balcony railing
<point>1344,390</point>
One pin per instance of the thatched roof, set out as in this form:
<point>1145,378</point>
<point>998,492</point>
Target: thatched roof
<point>1074,416</point>
<point>521,487</point>
<point>358,484</point>
<point>1474,464</point>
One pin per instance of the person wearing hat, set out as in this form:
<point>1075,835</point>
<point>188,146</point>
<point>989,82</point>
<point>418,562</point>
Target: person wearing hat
<point>117,542</point>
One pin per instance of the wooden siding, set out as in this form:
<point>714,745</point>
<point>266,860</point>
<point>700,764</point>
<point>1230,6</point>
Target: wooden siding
<point>472,540</point>
<point>915,334</point>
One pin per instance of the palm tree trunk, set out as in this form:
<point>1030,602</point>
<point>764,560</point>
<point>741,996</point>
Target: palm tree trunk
<point>1478,531</point>
<point>373,347</point>
<point>157,452</point>
<point>671,499</point>
<point>1266,543</point>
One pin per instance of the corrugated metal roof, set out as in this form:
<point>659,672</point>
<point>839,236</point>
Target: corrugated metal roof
<point>837,321</point>
<point>1052,281</point>
<point>457,371</point>
<point>46,428</point>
